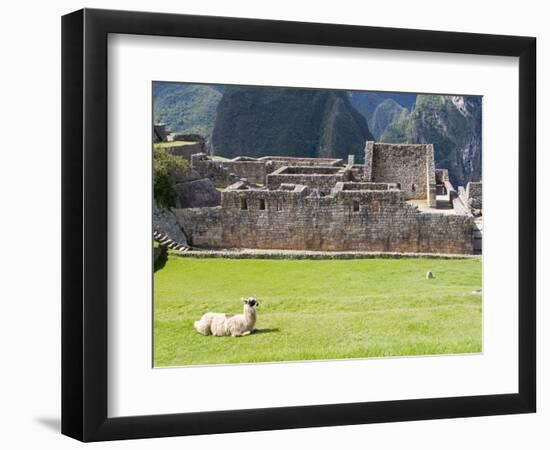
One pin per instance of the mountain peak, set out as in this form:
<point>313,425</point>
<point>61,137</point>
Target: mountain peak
<point>257,121</point>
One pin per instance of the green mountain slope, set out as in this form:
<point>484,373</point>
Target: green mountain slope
<point>453,125</point>
<point>186,108</point>
<point>259,121</point>
<point>386,113</point>
<point>366,102</point>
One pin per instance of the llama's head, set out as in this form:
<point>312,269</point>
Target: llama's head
<point>251,302</point>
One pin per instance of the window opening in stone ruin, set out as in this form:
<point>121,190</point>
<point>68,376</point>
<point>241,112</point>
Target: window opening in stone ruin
<point>279,205</point>
<point>413,187</point>
<point>244,203</point>
<point>375,206</point>
<point>262,203</point>
<point>355,206</point>
<point>399,186</point>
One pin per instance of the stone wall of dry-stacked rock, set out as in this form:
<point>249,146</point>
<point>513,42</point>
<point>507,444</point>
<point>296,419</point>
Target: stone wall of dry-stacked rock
<point>474,195</point>
<point>347,220</point>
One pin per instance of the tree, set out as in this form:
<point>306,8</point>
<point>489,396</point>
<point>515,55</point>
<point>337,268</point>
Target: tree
<point>168,169</point>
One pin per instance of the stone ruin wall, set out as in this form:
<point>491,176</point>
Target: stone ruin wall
<point>457,198</point>
<point>214,170</point>
<point>443,184</point>
<point>474,195</point>
<point>224,173</point>
<point>430,176</point>
<point>277,162</point>
<point>367,170</point>
<point>159,132</point>
<point>193,137</point>
<point>344,219</point>
<point>405,164</point>
<point>367,186</point>
<point>197,193</point>
<point>293,220</point>
<point>323,182</point>
<point>253,171</point>
<point>186,151</point>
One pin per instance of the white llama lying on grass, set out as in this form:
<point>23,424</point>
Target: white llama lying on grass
<point>221,324</point>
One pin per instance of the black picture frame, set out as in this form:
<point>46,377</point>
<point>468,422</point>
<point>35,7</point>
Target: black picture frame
<point>84,224</point>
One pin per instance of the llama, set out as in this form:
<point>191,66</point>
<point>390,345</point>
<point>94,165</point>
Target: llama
<point>222,324</point>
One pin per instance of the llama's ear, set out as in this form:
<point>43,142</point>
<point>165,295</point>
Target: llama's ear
<point>243,299</point>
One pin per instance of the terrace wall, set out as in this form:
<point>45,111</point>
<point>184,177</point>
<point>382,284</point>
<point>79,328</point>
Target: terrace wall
<point>214,170</point>
<point>186,151</point>
<point>347,220</point>
<point>159,132</point>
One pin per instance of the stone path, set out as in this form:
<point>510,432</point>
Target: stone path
<point>305,254</point>
<point>443,205</point>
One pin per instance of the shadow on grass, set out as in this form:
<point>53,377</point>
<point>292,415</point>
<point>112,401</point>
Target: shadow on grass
<point>266,330</point>
<point>160,257</point>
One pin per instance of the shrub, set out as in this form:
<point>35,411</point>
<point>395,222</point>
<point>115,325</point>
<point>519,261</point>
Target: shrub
<point>168,169</point>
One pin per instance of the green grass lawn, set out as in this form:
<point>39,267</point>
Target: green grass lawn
<point>172,144</point>
<point>318,309</point>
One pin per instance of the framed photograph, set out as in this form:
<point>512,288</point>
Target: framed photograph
<point>273,225</point>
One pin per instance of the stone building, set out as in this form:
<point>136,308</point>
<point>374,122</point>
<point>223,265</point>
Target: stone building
<point>395,202</point>
<point>412,167</point>
<point>179,144</point>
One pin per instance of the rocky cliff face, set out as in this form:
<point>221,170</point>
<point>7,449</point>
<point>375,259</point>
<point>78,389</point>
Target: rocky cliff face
<point>366,102</point>
<point>386,113</point>
<point>453,125</point>
<point>165,221</point>
<point>259,121</point>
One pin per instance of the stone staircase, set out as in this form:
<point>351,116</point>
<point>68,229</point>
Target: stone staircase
<point>165,240</point>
